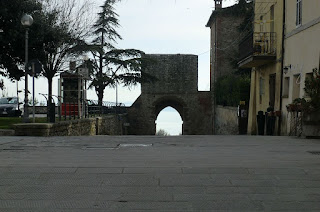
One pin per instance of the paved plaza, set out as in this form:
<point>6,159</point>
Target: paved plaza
<point>185,173</point>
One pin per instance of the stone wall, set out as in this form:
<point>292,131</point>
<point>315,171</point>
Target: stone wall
<point>76,127</point>
<point>228,40</point>
<point>177,87</point>
<point>108,125</point>
<point>225,39</point>
<point>5,132</point>
<point>226,120</point>
<point>194,109</point>
<point>176,74</point>
<point>111,125</point>
<point>40,109</point>
<point>311,124</point>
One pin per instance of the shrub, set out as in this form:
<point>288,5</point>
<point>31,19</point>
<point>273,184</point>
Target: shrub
<point>162,132</point>
<point>312,89</point>
<point>232,89</point>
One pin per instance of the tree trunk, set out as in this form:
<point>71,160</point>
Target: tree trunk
<point>100,88</point>
<point>50,104</point>
<point>100,91</point>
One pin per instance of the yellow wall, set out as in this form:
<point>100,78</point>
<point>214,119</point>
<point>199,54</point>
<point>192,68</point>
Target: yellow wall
<point>310,11</point>
<point>302,50</point>
<point>262,8</point>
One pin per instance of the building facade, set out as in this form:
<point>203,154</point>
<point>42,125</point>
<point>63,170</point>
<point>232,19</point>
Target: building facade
<point>301,54</point>
<point>224,41</point>
<point>262,51</point>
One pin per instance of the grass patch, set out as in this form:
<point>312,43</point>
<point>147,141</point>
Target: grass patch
<point>8,122</point>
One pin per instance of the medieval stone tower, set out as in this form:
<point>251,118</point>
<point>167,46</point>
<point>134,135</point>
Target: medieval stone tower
<point>176,86</point>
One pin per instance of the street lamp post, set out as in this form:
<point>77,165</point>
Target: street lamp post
<point>26,21</point>
<point>84,98</point>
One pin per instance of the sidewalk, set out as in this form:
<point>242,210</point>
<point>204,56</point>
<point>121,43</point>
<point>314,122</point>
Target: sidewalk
<point>186,173</point>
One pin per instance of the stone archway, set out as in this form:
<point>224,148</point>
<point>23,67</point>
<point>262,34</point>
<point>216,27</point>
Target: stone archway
<point>177,86</point>
<point>169,122</point>
<point>163,103</point>
<point>173,102</point>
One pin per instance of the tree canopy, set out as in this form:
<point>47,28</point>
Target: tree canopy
<point>59,26</point>
<point>12,35</point>
<point>60,32</point>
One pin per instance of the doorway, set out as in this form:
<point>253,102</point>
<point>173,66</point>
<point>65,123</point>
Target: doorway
<point>272,89</point>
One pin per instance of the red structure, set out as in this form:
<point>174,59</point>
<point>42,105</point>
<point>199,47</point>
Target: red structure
<point>69,109</point>
<point>73,94</point>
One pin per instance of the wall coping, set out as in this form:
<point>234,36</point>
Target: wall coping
<point>227,107</point>
<point>34,125</point>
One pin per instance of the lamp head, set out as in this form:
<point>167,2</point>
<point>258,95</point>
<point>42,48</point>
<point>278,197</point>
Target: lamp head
<point>26,20</point>
<point>286,68</point>
<point>85,58</point>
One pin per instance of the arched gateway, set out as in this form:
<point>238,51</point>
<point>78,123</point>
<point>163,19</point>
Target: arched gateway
<point>177,86</point>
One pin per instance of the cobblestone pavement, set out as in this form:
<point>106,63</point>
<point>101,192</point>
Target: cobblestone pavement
<point>186,173</point>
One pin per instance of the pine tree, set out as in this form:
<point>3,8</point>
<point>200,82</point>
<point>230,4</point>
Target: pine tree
<point>112,66</point>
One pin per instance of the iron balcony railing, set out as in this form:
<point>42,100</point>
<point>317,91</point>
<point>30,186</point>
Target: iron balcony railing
<point>258,44</point>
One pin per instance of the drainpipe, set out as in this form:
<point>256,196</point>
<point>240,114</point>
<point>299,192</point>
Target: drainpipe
<point>282,63</point>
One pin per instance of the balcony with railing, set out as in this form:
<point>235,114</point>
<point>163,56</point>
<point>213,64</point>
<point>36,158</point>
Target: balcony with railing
<point>257,49</point>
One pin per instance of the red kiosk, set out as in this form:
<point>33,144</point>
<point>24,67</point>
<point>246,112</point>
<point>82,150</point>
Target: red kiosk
<point>73,94</point>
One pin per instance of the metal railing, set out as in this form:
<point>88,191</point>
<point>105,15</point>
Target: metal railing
<point>258,44</point>
<point>94,109</point>
<point>76,108</point>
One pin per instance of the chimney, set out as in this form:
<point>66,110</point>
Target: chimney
<point>218,4</point>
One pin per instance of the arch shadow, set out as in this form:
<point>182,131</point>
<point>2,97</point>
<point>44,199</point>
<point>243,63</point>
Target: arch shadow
<point>174,102</point>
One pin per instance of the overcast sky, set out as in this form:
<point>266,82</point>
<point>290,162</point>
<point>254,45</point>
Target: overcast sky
<point>169,27</point>
<point>161,27</point>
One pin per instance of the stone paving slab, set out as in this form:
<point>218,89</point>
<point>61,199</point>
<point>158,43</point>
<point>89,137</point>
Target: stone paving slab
<point>183,173</point>
<point>244,205</point>
<point>42,169</point>
<point>164,170</point>
<point>86,170</point>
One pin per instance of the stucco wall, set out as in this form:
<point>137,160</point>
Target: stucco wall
<point>226,120</point>
<point>260,76</point>
<point>310,12</point>
<point>302,53</point>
